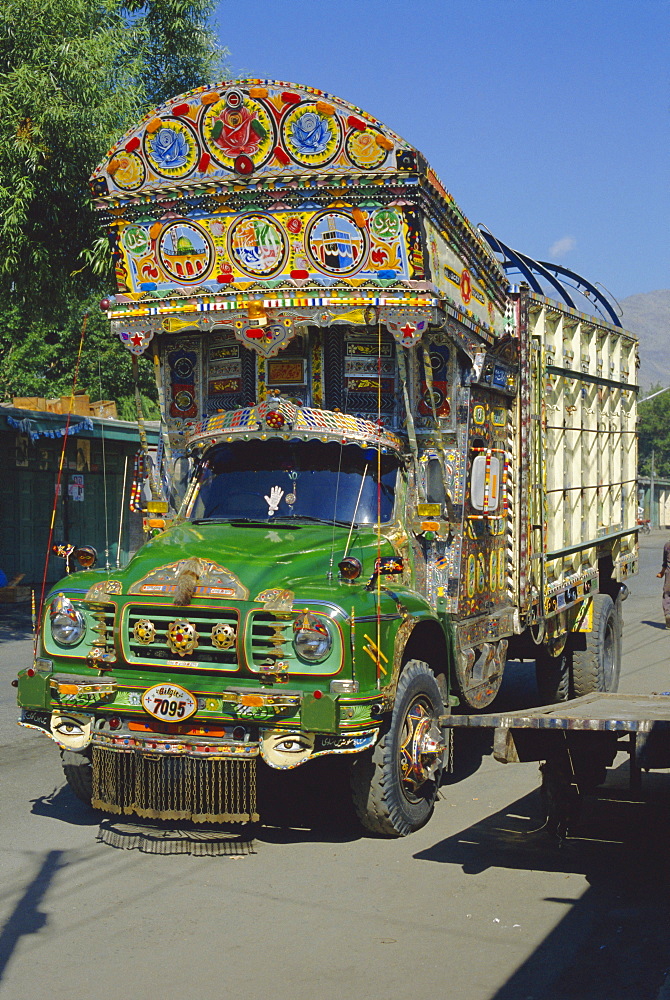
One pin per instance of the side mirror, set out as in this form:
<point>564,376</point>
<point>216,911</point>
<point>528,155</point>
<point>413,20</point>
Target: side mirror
<point>85,555</point>
<point>485,483</point>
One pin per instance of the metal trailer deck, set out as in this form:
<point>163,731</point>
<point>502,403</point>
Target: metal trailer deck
<point>577,741</point>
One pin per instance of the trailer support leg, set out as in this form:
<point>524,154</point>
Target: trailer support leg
<point>635,779</point>
<point>561,793</point>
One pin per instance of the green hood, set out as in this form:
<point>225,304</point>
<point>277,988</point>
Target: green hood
<point>261,557</point>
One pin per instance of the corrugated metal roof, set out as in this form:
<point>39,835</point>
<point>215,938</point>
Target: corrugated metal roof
<point>45,424</point>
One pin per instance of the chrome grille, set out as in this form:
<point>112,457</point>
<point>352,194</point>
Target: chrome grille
<point>100,621</point>
<point>158,652</point>
<point>99,630</point>
<point>271,639</point>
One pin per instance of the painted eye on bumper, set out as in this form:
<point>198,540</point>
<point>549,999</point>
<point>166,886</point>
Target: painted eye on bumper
<point>72,732</point>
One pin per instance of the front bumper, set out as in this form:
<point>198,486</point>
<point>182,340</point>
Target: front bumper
<point>285,727</point>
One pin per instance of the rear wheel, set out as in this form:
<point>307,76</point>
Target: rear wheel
<point>78,772</point>
<point>394,786</point>
<point>597,661</point>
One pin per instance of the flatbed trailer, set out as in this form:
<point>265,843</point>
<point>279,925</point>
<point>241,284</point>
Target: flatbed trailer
<point>576,741</point>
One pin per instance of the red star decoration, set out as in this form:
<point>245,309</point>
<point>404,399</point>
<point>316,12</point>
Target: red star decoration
<point>137,339</point>
<point>407,330</point>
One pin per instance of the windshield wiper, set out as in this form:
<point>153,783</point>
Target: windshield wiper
<point>281,520</point>
<point>210,520</point>
<point>251,522</point>
<point>228,520</point>
<point>311,517</point>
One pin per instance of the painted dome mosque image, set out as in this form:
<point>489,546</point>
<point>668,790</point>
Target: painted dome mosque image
<point>185,252</point>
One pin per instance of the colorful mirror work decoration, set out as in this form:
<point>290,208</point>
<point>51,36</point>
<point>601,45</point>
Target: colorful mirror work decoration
<point>267,200</point>
<point>302,422</point>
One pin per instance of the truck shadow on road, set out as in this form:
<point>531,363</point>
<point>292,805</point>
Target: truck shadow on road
<point>310,804</point>
<point>615,940</point>
<point>62,805</point>
<point>144,835</point>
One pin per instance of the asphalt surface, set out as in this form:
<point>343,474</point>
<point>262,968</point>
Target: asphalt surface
<point>481,904</point>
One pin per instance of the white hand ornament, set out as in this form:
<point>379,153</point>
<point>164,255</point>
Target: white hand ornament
<point>276,493</point>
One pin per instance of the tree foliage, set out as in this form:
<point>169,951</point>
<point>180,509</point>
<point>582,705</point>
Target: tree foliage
<point>43,358</point>
<point>177,48</point>
<point>654,434</point>
<point>69,81</point>
<point>74,75</point>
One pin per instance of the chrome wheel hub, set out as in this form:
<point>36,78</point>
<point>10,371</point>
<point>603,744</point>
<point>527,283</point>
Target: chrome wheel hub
<point>421,747</point>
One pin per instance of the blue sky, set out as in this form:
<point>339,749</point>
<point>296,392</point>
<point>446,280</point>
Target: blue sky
<point>546,119</point>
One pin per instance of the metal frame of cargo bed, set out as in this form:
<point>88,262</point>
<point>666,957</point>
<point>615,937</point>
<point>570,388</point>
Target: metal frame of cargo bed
<point>585,732</point>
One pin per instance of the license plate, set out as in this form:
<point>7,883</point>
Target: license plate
<point>169,702</point>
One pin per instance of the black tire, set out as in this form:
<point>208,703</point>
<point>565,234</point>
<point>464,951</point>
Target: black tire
<point>78,772</point>
<point>390,797</point>
<point>554,674</point>
<point>596,660</point>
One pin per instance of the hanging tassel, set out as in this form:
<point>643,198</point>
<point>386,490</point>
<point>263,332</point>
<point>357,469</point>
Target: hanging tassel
<point>187,581</point>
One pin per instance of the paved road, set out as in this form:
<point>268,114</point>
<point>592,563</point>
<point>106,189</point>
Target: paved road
<point>476,906</point>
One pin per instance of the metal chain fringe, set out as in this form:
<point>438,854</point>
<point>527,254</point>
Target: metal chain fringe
<point>201,790</point>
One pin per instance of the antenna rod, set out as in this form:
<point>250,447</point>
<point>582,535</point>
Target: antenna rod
<point>353,519</point>
<point>123,499</point>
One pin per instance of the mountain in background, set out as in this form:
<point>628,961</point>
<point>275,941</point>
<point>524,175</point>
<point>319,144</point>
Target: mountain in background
<point>648,316</point>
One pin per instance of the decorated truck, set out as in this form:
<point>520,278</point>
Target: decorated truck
<point>387,469</point>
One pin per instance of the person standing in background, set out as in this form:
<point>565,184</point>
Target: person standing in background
<point>665,572</point>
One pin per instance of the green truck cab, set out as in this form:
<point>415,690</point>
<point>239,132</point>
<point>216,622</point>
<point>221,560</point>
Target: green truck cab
<point>347,539</point>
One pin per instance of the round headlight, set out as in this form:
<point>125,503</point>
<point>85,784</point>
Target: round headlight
<point>68,626</point>
<point>312,638</point>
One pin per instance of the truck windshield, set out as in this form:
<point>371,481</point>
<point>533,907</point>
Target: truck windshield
<point>274,480</point>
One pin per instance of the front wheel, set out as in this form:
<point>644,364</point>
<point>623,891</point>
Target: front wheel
<point>78,772</point>
<point>553,674</point>
<point>394,785</point>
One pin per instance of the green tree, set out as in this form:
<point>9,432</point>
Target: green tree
<point>654,434</point>
<point>177,48</point>
<point>74,75</point>
<point>42,359</point>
